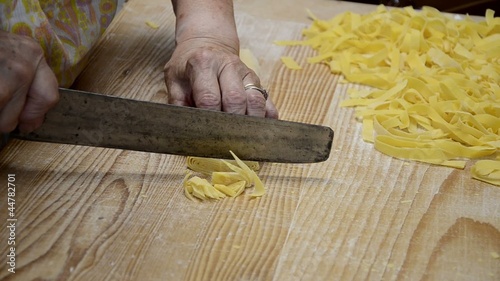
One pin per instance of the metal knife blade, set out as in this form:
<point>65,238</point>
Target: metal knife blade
<point>91,119</point>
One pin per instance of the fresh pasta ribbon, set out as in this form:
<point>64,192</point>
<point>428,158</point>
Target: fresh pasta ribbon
<point>151,24</point>
<point>229,178</point>
<point>249,59</point>
<point>435,81</point>
<point>290,63</point>
<point>487,171</point>
<point>211,165</point>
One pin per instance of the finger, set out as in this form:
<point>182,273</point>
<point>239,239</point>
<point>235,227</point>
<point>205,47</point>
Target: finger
<point>271,110</point>
<point>256,102</point>
<point>179,92</point>
<point>42,96</point>
<point>15,79</point>
<point>234,97</point>
<point>9,114</point>
<point>5,92</point>
<point>206,92</point>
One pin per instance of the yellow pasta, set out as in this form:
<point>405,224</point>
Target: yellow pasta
<point>435,94</point>
<point>487,171</point>
<point>290,63</point>
<point>210,165</point>
<point>229,178</point>
<point>250,175</point>
<point>249,59</point>
<point>231,190</point>
<point>152,24</point>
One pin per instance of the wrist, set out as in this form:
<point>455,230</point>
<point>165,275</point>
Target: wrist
<point>211,20</point>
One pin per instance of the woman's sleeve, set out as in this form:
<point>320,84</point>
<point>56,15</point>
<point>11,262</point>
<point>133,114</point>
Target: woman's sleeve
<point>66,30</point>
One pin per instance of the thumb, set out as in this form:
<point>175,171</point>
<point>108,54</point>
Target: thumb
<point>42,96</point>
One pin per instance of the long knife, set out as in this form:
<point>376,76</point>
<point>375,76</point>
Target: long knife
<point>91,119</point>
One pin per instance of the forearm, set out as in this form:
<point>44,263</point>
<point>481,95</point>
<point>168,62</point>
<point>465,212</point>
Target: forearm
<point>210,19</point>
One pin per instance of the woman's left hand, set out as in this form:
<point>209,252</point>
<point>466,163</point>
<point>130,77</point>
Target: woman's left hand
<point>206,74</point>
<point>205,69</point>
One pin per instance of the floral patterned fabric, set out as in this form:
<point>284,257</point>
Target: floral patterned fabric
<point>66,29</point>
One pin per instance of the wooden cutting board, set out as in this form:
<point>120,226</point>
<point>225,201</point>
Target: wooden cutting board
<point>100,214</point>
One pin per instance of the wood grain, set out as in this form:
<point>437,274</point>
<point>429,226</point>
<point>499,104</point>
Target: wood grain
<point>101,214</point>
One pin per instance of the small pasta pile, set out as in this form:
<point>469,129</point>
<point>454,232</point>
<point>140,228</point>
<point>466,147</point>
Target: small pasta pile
<point>229,178</point>
<point>435,82</point>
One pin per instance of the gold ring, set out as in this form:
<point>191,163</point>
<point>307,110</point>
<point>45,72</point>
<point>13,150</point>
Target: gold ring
<point>253,87</point>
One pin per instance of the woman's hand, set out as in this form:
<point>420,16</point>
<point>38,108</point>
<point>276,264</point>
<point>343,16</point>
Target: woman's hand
<point>205,70</point>
<point>28,87</point>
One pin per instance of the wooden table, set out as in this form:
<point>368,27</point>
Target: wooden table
<point>101,214</point>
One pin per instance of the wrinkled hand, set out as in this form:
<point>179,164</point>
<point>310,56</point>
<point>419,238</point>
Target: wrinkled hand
<point>28,87</point>
<point>205,73</point>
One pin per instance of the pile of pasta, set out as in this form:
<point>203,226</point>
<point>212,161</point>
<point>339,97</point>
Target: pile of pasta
<point>434,77</point>
<point>229,178</point>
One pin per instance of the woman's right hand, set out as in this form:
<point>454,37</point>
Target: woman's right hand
<point>28,87</point>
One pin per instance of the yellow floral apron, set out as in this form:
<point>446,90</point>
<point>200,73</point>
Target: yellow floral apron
<point>65,29</point>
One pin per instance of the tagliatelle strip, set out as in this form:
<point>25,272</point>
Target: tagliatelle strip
<point>229,178</point>
<point>259,189</point>
<point>435,81</point>
<point>290,63</point>
<point>249,59</point>
<point>152,24</point>
<point>487,170</point>
<point>210,165</point>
